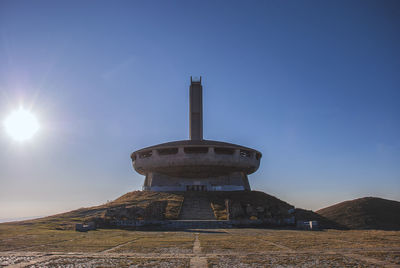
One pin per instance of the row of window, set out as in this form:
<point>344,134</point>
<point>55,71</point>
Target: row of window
<point>197,150</point>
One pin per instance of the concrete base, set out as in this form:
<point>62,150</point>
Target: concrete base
<point>204,224</point>
<point>236,181</point>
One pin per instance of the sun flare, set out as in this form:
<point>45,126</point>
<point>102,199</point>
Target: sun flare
<point>21,124</point>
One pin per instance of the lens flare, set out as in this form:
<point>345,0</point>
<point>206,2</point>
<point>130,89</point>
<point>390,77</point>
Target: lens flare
<point>21,124</point>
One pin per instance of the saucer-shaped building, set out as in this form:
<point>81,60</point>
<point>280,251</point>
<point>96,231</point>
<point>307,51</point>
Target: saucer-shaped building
<point>196,164</point>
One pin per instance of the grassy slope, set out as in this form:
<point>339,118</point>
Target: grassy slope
<point>175,200</point>
<point>135,198</point>
<point>365,213</point>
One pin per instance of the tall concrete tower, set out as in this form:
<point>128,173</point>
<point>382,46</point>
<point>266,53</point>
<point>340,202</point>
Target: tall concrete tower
<point>196,110</point>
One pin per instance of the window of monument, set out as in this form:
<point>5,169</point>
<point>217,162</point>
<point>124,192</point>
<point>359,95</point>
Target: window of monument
<point>245,153</point>
<point>222,150</point>
<point>195,150</point>
<point>167,151</point>
<point>145,154</point>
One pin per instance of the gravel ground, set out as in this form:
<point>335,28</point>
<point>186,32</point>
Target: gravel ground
<point>392,257</point>
<point>86,262</point>
<point>12,259</point>
<point>218,248</point>
<point>296,260</point>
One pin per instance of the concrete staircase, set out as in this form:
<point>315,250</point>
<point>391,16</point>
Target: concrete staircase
<point>196,207</point>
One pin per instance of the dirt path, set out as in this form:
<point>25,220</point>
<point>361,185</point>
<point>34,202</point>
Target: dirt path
<point>47,244</point>
<point>118,246</point>
<point>278,245</point>
<point>197,261</point>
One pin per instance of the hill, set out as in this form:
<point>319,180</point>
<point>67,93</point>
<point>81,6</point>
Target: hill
<point>365,213</point>
<point>324,223</point>
<point>245,204</point>
<point>141,199</point>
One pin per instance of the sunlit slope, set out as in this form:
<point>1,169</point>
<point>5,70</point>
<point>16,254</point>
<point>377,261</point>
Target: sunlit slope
<point>135,198</point>
<point>365,213</point>
<point>254,199</point>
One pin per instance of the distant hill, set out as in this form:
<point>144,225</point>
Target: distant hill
<point>309,215</point>
<point>365,213</point>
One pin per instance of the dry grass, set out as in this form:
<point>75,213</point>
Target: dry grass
<point>38,238</point>
<point>365,213</point>
<point>219,210</point>
<point>142,199</point>
<point>160,242</point>
<point>227,247</point>
<point>24,237</point>
<point>221,243</point>
<point>44,240</point>
<point>253,240</point>
<point>93,241</point>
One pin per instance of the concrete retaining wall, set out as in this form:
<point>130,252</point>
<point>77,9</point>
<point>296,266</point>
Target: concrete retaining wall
<point>203,224</point>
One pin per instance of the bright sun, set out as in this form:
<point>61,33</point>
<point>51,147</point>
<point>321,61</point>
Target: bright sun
<point>21,124</point>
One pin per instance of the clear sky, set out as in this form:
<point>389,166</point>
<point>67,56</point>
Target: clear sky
<point>313,85</point>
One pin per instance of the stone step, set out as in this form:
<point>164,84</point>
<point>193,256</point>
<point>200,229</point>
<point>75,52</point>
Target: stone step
<point>196,207</point>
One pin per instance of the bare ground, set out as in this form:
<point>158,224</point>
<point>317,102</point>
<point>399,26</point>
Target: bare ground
<point>199,248</point>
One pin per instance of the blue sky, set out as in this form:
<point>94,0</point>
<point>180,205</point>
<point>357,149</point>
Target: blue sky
<point>313,85</point>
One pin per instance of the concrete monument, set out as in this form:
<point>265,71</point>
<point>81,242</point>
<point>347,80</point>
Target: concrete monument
<point>196,164</point>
